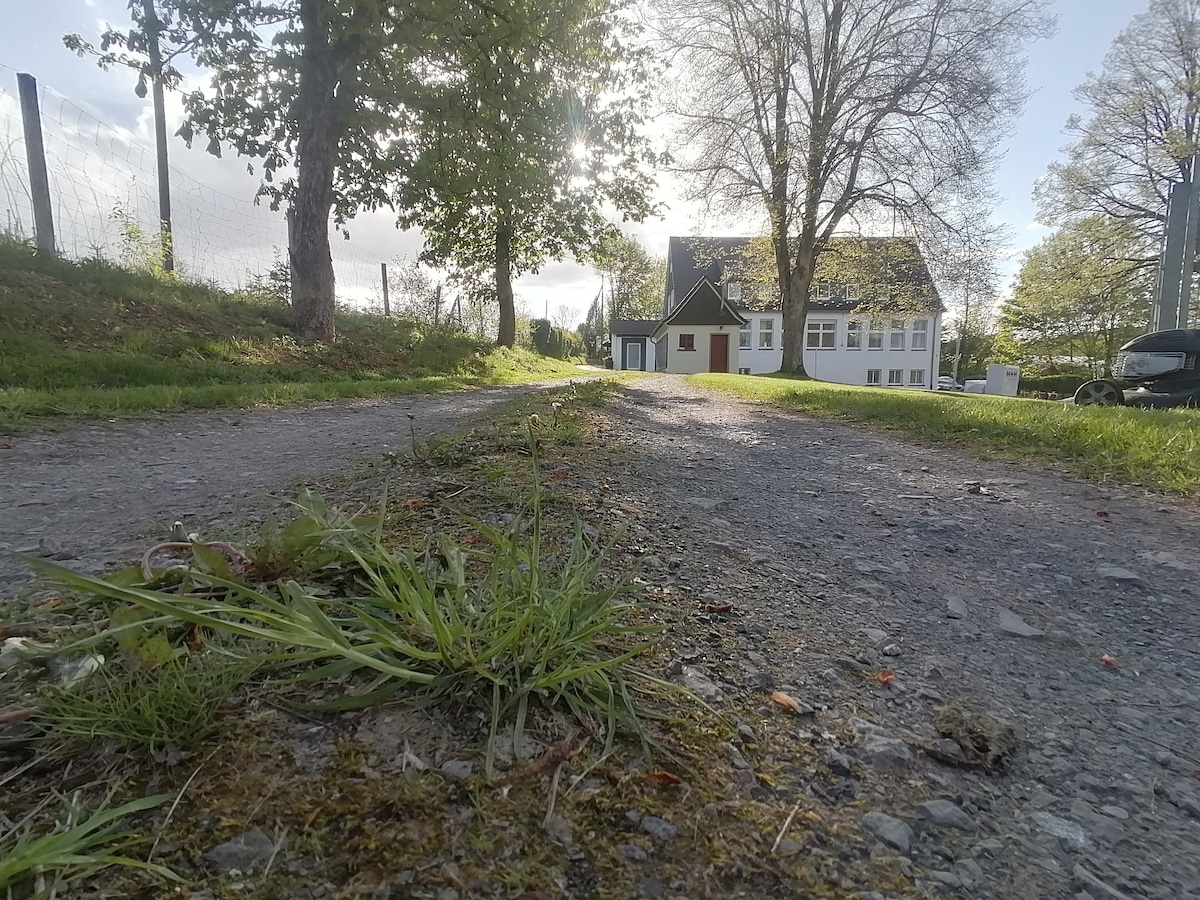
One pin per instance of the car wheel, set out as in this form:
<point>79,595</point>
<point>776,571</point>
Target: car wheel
<point>1099,393</point>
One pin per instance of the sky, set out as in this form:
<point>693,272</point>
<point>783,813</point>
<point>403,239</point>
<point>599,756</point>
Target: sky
<point>217,193</point>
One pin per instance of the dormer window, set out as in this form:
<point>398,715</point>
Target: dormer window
<point>733,291</point>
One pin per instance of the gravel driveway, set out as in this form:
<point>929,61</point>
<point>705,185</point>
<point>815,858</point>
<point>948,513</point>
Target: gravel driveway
<point>95,493</point>
<point>990,585</point>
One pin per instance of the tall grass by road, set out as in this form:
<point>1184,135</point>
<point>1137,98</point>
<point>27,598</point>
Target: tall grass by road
<point>91,338</point>
<point>1156,448</point>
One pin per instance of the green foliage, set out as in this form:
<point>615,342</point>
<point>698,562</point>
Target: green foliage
<point>508,626</point>
<point>635,278</point>
<point>71,851</point>
<point>1078,298</point>
<point>523,154</point>
<point>139,251</point>
<point>549,340</point>
<point>175,701</point>
<point>1156,448</point>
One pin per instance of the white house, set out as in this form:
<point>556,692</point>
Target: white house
<point>713,285</point>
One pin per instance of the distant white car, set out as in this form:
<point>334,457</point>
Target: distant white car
<point>946,383</point>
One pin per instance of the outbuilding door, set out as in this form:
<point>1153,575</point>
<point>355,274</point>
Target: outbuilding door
<point>718,353</point>
<point>634,352</point>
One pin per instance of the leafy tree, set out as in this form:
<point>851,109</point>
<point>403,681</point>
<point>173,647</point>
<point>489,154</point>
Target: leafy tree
<point>530,134</point>
<point>1078,298</point>
<point>635,278</point>
<point>814,112</point>
<point>1140,132</point>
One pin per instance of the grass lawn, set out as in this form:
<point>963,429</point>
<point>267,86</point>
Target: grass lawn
<point>91,338</point>
<point>1156,448</point>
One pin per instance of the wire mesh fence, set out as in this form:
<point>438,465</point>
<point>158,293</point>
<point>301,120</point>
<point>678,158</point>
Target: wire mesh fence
<point>104,198</point>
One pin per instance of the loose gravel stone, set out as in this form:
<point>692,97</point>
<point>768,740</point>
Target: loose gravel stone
<point>247,852</point>
<point>893,832</point>
<point>943,812</point>
<point>659,829</point>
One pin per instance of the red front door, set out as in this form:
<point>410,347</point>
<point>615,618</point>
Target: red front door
<point>718,353</point>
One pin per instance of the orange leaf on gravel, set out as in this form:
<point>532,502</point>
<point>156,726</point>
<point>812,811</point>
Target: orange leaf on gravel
<point>1110,661</point>
<point>665,778</point>
<point>719,607</point>
<point>885,676</point>
<point>779,698</point>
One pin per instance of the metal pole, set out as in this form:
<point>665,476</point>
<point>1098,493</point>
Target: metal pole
<point>387,307</point>
<point>437,307</point>
<point>35,155</point>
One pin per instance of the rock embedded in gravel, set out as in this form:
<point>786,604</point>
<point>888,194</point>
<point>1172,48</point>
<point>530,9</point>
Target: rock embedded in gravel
<point>969,872</point>
<point>1096,886</point>
<point>1119,575</point>
<point>955,608</point>
<point>943,812</point>
<point>659,829</point>
<point>878,747</point>
<point>1070,834</point>
<point>652,888</point>
<point>695,679</point>
<point>631,853</point>
<point>456,769</point>
<point>888,829</point>
<point>247,852</point>
<point>1010,623</point>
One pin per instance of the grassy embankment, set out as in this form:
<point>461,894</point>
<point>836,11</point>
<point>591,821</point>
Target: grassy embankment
<point>1156,448</point>
<point>93,339</point>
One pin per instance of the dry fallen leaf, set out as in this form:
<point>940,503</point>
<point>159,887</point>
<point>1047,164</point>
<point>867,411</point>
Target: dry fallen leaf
<point>1110,661</point>
<point>719,607</point>
<point>885,676</point>
<point>779,698</point>
<point>665,777</point>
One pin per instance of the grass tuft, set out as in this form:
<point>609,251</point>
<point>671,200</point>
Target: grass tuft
<point>1156,448</point>
<point>504,623</point>
<point>33,865</point>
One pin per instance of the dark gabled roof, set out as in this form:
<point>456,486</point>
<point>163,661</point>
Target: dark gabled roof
<point>703,305</point>
<point>692,259</point>
<point>634,327</point>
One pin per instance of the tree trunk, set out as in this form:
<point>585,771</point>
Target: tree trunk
<point>317,115</point>
<point>504,292</point>
<point>795,305</point>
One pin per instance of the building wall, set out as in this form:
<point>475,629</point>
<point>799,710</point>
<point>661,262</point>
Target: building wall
<point>618,352</point>
<point>689,362</point>
<point>845,365</point>
<point>758,359</point>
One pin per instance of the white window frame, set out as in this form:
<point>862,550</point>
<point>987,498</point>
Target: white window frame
<point>874,377</point>
<point>824,330</point>
<point>745,333</point>
<point>916,377</point>
<point>854,291</point>
<point>733,291</point>
<point>875,336</point>
<point>899,331</point>
<point>895,378</point>
<point>766,334</point>
<point>920,337</point>
<point>854,335</point>
<point>822,290</point>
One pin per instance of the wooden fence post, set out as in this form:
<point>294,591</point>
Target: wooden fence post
<point>35,154</point>
<point>387,308</point>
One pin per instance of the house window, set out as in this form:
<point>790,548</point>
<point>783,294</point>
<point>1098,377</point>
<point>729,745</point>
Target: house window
<point>821,335</point>
<point>733,291</point>
<point>875,336</point>
<point>687,342</point>
<point>766,334</point>
<point>854,336</point>
<point>821,291</point>
<point>895,377</point>
<point>854,291</point>
<point>916,376</point>
<point>920,334</point>
<point>897,336</point>
<point>744,336</point>
<point>874,376</point>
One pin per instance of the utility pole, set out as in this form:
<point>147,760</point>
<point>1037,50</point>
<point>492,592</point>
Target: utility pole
<point>154,51</point>
<point>387,308</point>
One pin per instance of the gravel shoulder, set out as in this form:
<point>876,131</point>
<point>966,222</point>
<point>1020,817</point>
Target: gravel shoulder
<point>988,586</point>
